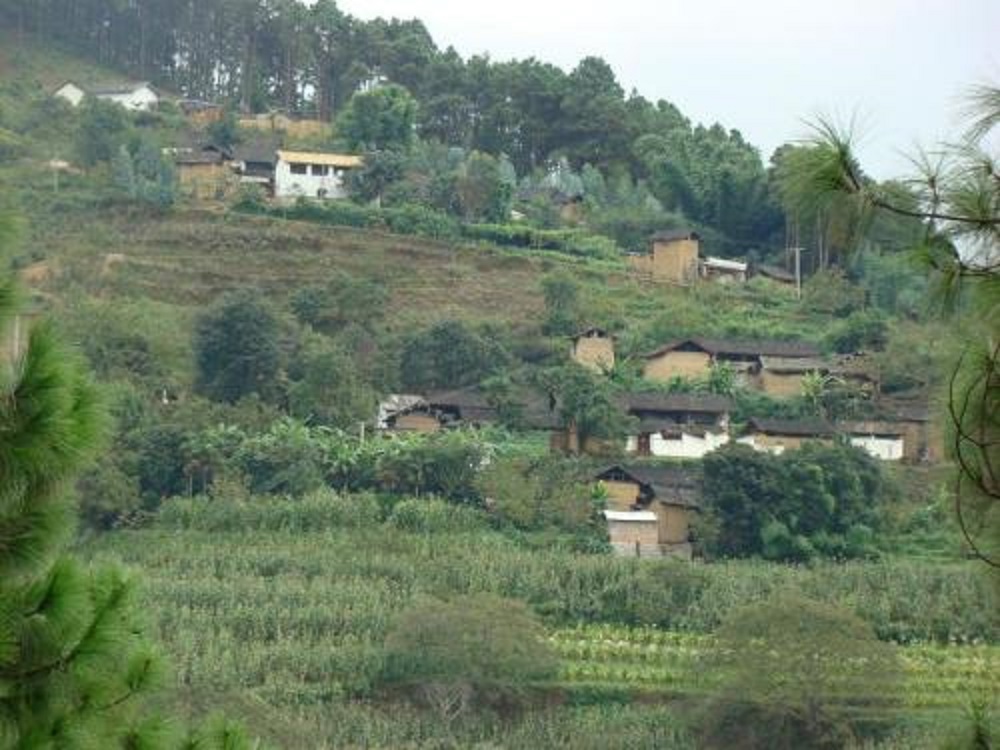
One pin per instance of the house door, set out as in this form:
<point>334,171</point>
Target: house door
<point>644,448</point>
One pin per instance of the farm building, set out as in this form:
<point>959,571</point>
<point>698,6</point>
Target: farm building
<point>133,96</point>
<point>694,357</point>
<point>312,174</point>
<point>570,206</point>
<point>634,533</point>
<point>776,274</point>
<point>724,270</point>
<point>859,371</point>
<point>673,259</point>
<point>204,173</point>
<point>923,440</point>
<point>885,441</point>
<point>254,161</point>
<point>393,405</point>
<point>778,435</point>
<point>677,425</point>
<point>782,376</point>
<point>471,407</point>
<point>670,494</point>
<point>200,112</point>
<point>594,348</point>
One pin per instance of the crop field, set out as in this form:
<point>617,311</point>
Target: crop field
<point>657,661</point>
<point>283,626</point>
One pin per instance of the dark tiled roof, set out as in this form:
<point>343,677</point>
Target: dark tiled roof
<point>672,235</point>
<point>793,427</point>
<point>778,274</point>
<point>741,348</point>
<point>471,406</point>
<point>673,485</point>
<point>258,150</point>
<point>879,428</point>
<point>677,402</point>
<point>198,157</point>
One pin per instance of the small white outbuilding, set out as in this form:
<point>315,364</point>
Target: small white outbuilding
<point>304,174</point>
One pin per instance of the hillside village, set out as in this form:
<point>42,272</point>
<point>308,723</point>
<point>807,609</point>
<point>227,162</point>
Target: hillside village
<point>354,366</point>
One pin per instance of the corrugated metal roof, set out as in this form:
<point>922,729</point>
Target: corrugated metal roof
<point>724,264</point>
<point>345,161</point>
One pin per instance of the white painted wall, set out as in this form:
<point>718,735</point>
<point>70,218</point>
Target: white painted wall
<point>287,184</point>
<point>881,447</point>
<point>71,93</point>
<point>776,450</point>
<point>688,446</point>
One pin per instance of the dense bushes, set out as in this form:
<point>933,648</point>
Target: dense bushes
<point>291,458</point>
<point>450,354</point>
<point>816,501</point>
<point>471,651</point>
<point>568,241</point>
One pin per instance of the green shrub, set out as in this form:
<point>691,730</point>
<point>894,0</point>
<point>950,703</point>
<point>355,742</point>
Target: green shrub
<point>478,650</point>
<point>434,516</point>
<point>322,510</point>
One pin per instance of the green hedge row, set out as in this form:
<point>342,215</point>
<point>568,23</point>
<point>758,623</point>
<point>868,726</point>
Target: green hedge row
<point>426,222</point>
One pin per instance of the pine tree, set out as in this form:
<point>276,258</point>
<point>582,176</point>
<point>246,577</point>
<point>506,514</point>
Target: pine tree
<point>73,661</point>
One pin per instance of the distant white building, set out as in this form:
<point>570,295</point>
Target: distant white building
<point>676,442</point>
<point>133,96</point>
<point>724,270</point>
<point>71,93</point>
<point>881,440</point>
<point>312,174</point>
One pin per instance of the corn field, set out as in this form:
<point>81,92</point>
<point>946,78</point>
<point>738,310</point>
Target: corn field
<point>277,615</point>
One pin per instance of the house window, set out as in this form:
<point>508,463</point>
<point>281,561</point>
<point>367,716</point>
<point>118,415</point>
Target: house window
<point>298,169</point>
<point>318,170</point>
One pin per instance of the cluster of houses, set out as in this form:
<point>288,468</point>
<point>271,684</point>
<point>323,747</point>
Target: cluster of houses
<point>210,172</point>
<point>649,507</point>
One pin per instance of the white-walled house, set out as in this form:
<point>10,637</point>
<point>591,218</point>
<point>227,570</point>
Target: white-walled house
<point>132,96</point>
<point>677,442</point>
<point>677,425</point>
<point>880,440</point>
<point>70,92</point>
<point>312,174</point>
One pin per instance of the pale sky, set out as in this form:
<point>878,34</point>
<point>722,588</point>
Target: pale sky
<point>759,66</point>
